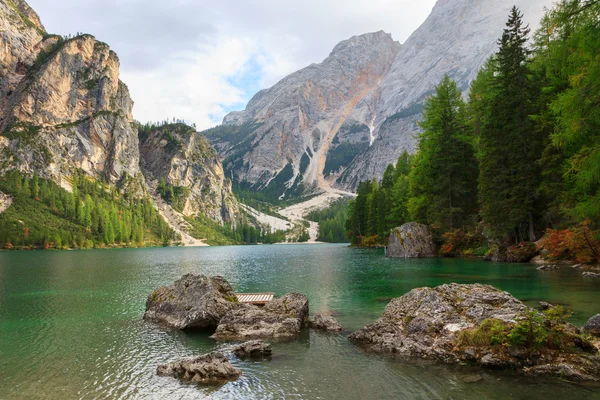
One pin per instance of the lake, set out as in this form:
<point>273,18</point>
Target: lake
<point>71,324</point>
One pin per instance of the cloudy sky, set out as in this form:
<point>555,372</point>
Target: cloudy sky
<point>198,59</point>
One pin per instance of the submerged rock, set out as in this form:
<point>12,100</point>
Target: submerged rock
<point>594,275</point>
<point>210,369</point>
<point>440,323</point>
<point>283,317</point>
<point>253,349</point>
<point>592,326</point>
<point>325,323</point>
<point>411,240</point>
<point>548,267</point>
<point>193,301</point>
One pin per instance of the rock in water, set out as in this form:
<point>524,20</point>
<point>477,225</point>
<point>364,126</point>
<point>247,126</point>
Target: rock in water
<point>325,323</point>
<point>592,326</point>
<point>253,349</point>
<point>194,301</point>
<point>209,369</point>
<point>424,321</point>
<point>280,318</point>
<point>411,240</point>
<point>442,323</point>
<point>591,275</point>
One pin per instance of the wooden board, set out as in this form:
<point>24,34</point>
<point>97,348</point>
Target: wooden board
<point>255,298</point>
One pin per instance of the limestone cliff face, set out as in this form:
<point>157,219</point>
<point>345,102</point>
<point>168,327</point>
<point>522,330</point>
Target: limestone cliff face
<point>20,34</point>
<point>287,131</point>
<point>370,86</point>
<point>183,158</point>
<point>70,111</point>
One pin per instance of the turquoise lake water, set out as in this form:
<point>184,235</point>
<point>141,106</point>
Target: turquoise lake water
<point>71,324</point>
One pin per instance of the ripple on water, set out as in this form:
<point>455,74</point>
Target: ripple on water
<point>71,327</point>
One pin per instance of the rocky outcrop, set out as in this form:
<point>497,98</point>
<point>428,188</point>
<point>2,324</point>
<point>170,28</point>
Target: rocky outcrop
<point>325,323</point>
<point>281,318</point>
<point>411,240</point>
<point>425,321</point>
<point>71,112</point>
<point>470,323</point>
<point>208,369</point>
<point>592,326</point>
<point>185,160</point>
<point>193,301</point>
<point>255,349</point>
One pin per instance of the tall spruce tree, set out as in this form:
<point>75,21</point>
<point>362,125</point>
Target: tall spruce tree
<point>509,146</point>
<point>444,179</point>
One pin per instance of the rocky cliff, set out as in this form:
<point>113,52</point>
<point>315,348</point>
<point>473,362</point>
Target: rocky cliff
<point>63,105</point>
<point>346,119</point>
<point>63,109</point>
<point>183,159</point>
<point>286,132</point>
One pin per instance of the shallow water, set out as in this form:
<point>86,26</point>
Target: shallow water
<point>71,327</point>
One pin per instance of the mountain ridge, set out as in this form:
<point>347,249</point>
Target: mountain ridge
<point>456,38</point>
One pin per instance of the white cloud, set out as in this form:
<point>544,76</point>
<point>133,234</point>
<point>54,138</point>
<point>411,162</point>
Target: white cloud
<point>197,59</point>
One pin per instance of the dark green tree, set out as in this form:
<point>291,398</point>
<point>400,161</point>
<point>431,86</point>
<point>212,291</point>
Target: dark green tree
<point>444,180</point>
<point>508,143</point>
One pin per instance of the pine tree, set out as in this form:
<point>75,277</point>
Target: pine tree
<point>509,146</point>
<point>443,182</point>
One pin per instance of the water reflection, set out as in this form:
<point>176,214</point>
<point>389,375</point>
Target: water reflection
<point>70,323</point>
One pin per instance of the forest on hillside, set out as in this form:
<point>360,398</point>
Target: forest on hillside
<point>518,161</point>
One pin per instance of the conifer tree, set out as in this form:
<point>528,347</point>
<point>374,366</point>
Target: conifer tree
<point>509,146</point>
<point>443,181</point>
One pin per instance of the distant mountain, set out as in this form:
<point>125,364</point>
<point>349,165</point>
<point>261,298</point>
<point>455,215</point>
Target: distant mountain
<point>344,120</point>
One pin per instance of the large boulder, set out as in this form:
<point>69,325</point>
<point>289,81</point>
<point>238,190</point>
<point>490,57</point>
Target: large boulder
<point>193,301</point>
<point>592,326</point>
<point>283,317</point>
<point>325,323</point>
<point>425,321</point>
<point>469,323</point>
<point>411,240</point>
<point>208,369</point>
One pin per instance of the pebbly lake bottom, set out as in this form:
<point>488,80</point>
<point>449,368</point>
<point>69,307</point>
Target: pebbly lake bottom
<point>71,327</point>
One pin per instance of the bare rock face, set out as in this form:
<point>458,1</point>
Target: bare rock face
<point>193,301</point>
<point>411,240</point>
<point>71,112</point>
<point>429,323</point>
<point>20,33</point>
<point>255,349</point>
<point>284,135</point>
<point>208,369</point>
<point>281,318</point>
<point>184,158</point>
<point>325,323</point>
<point>592,326</point>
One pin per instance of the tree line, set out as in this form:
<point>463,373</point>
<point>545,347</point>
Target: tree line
<point>519,158</point>
<point>93,214</point>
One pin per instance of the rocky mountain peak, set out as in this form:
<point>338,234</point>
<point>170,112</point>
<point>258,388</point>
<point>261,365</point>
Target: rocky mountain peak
<point>363,42</point>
